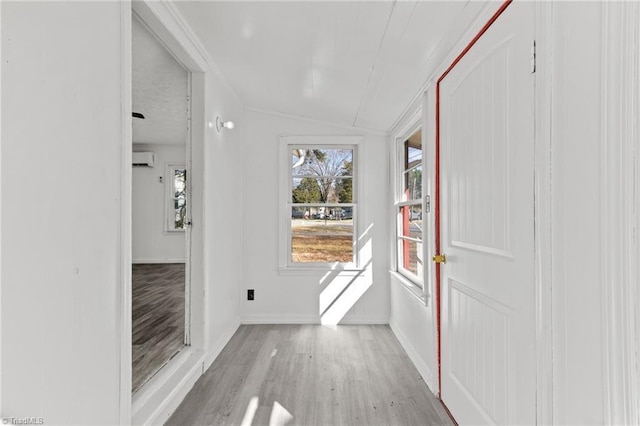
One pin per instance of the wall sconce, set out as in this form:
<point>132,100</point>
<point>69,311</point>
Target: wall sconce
<point>221,124</point>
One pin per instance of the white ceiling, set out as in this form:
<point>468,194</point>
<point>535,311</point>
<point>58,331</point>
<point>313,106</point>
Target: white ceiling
<point>159,91</point>
<point>350,63</point>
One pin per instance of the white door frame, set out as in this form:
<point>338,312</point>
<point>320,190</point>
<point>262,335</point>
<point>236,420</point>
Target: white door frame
<point>0,220</point>
<point>620,132</point>
<point>542,206</point>
<point>168,26</point>
<point>126,190</point>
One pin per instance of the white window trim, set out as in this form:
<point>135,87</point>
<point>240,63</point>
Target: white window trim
<point>169,197</point>
<point>285,266</point>
<point>416,285</point>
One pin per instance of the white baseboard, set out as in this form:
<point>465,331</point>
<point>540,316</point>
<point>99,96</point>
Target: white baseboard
<point>155,402</point>
<point>365,320</point>
<point>310,319</point>
<point>136,261</point>
<point>417,360</point>
<point>280,319</point>
<point>219,345</point>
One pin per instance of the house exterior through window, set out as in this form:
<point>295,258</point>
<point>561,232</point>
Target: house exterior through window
<point>410,262</point>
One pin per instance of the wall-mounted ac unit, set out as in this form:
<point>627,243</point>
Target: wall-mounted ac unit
<point>144,159</point>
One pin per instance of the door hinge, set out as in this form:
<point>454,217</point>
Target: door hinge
<point>533,57</point>
<point>427,204</point>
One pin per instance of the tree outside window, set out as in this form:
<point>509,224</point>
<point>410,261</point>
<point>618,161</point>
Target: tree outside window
<point>322,204</point>
<point>177,199</point>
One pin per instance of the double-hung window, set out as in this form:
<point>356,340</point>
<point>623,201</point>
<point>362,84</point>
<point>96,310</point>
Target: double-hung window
<point>410,253</point>
<point>320,203</point>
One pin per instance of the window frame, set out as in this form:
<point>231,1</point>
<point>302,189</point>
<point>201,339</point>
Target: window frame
<point>417,281</point>
<point>169,210</point>
<point>287,143</point>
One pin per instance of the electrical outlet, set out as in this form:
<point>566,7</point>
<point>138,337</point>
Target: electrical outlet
<point>250,295</point>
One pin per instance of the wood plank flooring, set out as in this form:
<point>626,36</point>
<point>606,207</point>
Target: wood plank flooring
<point>158,318</point>
<point>311,375</point>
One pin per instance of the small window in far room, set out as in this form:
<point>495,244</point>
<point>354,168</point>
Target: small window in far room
<point>410,262</point>
<point>177,197</point>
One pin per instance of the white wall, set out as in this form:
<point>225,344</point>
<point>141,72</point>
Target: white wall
<point>576,142</point>
<point>293,298</point>
<point>151,242</point>
<point>223,202</point>
<point>61,174</point>
<point>413,319</point>
<point>413,323</point>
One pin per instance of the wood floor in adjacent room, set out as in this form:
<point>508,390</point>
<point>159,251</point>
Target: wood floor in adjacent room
<point>158,318</point>
<point>311,375</point>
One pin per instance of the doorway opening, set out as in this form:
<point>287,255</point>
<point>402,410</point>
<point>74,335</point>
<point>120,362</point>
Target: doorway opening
<point>160,205</point>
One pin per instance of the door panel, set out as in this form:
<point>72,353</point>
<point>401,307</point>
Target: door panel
<point>479,178</point>
<point>479,338</point>
<point>486,175</point>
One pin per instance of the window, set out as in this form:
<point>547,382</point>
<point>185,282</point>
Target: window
<point>177,197</point>
<point>410,262</point>
<point>320,203</point>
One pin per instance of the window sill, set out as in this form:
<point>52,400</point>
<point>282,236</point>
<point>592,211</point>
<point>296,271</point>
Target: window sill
<point>413,289</point>
<point>174,231</point>
<point>319,271</point>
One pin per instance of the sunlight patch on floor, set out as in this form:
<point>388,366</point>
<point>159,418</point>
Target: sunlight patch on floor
<point>279,415</point>
<point>251,412</point>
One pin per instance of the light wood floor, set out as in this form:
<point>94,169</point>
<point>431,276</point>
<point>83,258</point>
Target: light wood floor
<point>158,317</point>
<point>311,375</point>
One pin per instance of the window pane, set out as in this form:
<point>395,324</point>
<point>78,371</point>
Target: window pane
<point>410,257</point>
<point>321,234</point>
<point>410,227</point>
<point>413,150</point>
<point>180,206</point>
<point>411,221</point>
<point>179,203</point>
<point>179,182</point>
<point>344,190</point>
<point>412,184</point>
<point>321,248</point>
<point>322,190</point>
<point>306,190</point>
<point>412,167</point>
<point>322,162</point>
<point>414,155</point>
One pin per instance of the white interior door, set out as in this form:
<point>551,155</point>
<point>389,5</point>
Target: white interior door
<point>487,183</point>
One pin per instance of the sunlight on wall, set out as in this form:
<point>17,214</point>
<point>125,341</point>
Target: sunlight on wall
<point>344,288</point>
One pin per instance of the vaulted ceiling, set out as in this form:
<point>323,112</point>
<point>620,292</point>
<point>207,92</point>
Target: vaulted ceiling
<point>350,63</point>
